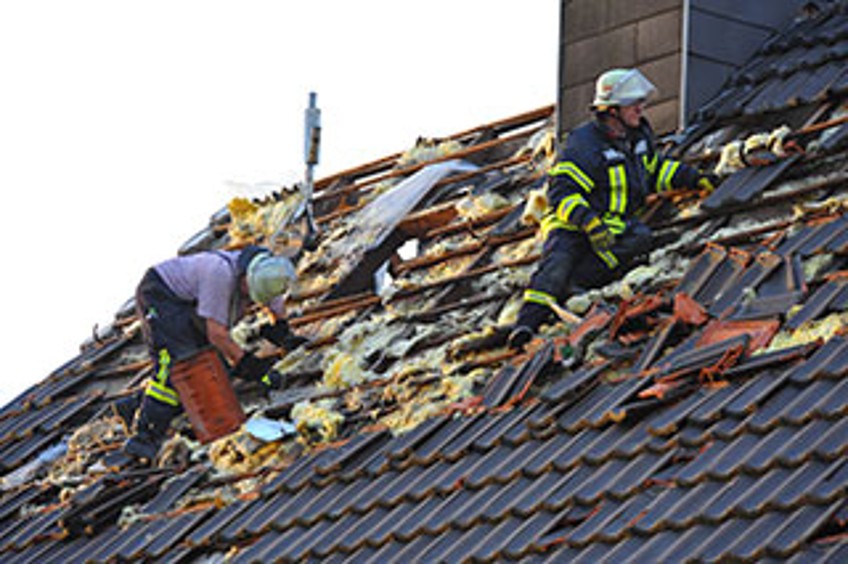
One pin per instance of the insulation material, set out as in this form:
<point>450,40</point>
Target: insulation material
<point>241,452</point>
<point>428,149</point>
<point>752,150</point>
<point>343,371</point>
<point>251,222</point>
<point>318,418</point>
<point>535,207</point>
<point>475,207</point>
<point>822,329</point>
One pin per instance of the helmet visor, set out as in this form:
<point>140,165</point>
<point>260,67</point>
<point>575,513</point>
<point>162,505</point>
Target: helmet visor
<point>633,88</point>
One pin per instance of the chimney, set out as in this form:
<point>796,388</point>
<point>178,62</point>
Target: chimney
<point>688,48</point>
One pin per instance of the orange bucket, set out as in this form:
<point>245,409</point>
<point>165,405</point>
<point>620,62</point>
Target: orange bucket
<point>207,396</point>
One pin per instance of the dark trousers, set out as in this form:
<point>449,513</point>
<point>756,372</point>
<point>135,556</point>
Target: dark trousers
<point>172,331</point>
<point>569,265</point>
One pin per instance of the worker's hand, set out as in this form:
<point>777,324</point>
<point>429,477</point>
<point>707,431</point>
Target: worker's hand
<point>600,236</point>
<point>280,334</point>
<point>708,182</point>
<point>277,333</point>
<point>273,380</point>
<point>253,368</point>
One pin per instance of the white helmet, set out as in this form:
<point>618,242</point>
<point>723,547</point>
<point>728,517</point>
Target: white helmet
<point>621,87</point>
<point>268,277</point>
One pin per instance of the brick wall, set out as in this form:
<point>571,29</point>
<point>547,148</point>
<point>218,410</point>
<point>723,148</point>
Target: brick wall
<point>603,34</point>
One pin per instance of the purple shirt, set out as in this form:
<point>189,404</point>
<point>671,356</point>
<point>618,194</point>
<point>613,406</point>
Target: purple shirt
<point>209,278</point>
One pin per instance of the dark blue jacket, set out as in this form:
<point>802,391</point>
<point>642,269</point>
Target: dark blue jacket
<point>598,175</point>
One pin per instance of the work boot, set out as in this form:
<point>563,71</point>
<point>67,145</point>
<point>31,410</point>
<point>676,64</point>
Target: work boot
<point>152,424</point>
<point>519,337</point>
<point>124,409</point>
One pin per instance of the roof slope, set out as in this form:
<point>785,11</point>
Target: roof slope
<point>699,411</point>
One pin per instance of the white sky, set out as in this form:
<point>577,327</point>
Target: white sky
<point>125,125</point>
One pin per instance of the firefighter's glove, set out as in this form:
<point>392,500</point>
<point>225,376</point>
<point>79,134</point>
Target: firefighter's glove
<point>273,380</point>
<point>252,368</point>
<point>281,335</point>
<point>600,237</point>
<point>708,182</point>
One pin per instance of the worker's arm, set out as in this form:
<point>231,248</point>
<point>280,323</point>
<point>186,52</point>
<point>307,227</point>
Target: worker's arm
<point>219,336</point>
<point>568,184</point>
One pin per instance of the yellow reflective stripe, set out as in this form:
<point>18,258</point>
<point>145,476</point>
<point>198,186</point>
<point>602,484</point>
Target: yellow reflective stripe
<point>567,206</point>
<point>551,222</point>
<point>615,223</point>
<point>609,259</point>
<point>266,379</point>
<point>573,171</point>
<point>538,297</point>
<point>666,174</point>
<point>618,189</point>
<point>162,393</point>
<point>650,164</point>
<point>158,387</point>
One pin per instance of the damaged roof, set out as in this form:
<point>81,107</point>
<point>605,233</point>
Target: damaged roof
<point>699,410</point>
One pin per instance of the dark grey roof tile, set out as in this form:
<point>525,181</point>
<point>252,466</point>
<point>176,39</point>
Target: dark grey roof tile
<point>175,532</point>
<point>749,545</point>
<point>817,304</point>
<point>501,424</point>
<point>804,444</point>
<point>411,525</point>
<point>632,511</point>
<point>172,490</point>
<point>590,529</point>
<point>415,478</point>
<point>834,404</point>
<point>689,508</point>
<point>601,480</point>
<point>308,542</point>
<point>656,513</point>
<point>726,495</point>
<point>743,186</point>
<point>247,517</point>
<point>820,359</point>
<point>208,531</point>
<point>803,407</point>
<point>354,536</point>
<point>263,548</point>
<point>834,483</point>
<point>542,460</point>
<point>568,454</point>
<point>762,456</point>
<point>768,415</point>
<point>33,528</point>
<point>572,384</point>
<point>535,495</point>
<point>323,545</point>
<point>798,528</point>
<point>405,445</point>
<point>688,545</point>
<point>504,464</point>
<point>824,233</point>
<point>567,488</point>
<point>754,500</point>
<point>460,550</point>
<point>832,440</point>
<point>527,535</point>
<point>798,485</point>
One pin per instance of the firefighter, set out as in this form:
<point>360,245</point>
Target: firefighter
<point>187,303</point>
<point>607,168</point>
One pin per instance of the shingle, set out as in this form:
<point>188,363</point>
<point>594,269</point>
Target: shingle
<point>725,497</point>
<point>206,533</point>
<point>802,480</point>
<point>591,528</point>
<point>797,528</point>
<point>176,531</point>
<point>172,490</point>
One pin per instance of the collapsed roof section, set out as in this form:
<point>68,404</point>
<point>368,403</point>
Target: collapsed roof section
<point>699,410</point>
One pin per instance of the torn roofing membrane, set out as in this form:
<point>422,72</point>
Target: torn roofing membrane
<point>700,409</point>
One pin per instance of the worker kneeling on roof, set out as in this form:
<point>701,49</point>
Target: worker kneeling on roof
<point>603,175</point>
<point>187,303</point>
